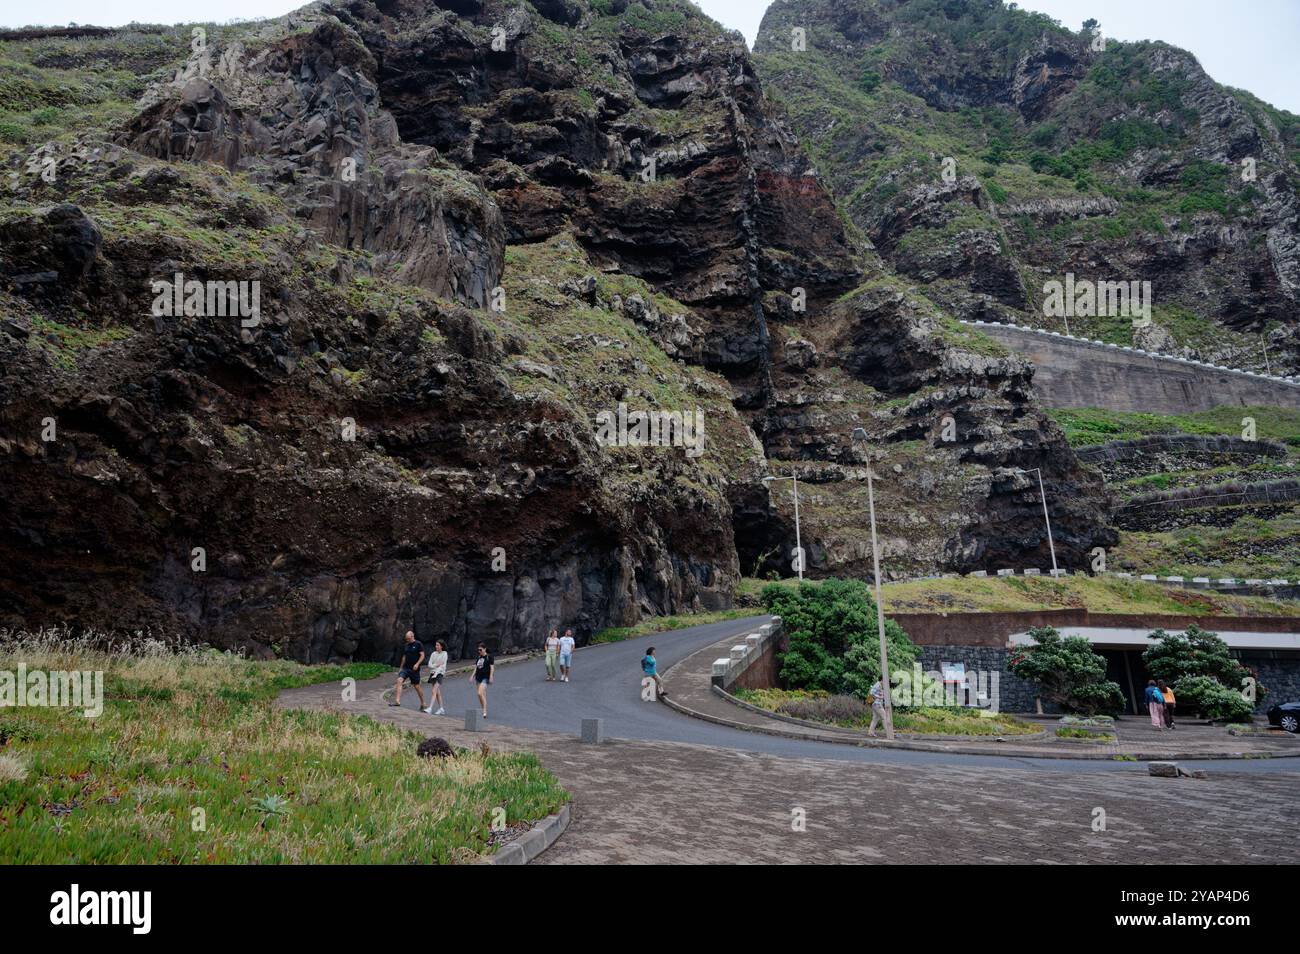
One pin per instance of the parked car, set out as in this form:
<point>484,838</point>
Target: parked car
<point>1285,714</point>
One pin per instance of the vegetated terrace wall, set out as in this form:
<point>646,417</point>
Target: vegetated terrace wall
<point>1074,372</point>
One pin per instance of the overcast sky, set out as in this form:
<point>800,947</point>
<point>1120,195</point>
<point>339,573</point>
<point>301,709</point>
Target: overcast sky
<point>1253,45</point>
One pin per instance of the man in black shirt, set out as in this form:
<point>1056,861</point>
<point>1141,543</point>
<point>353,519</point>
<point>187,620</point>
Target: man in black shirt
<point>412,659</point>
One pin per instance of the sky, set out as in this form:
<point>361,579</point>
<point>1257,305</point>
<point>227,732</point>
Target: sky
<point>1250,45</point>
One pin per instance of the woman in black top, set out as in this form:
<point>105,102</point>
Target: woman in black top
<point>484,670</point>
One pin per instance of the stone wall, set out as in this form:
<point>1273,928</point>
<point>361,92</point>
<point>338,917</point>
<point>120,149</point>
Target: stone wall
<point>1279,673</point>
<point>1072,372</point>
<point>1014,694</point>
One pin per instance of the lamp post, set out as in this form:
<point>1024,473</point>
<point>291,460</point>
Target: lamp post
<point>860,435</point>
<point>1043,493</point>
<point>798,542</point>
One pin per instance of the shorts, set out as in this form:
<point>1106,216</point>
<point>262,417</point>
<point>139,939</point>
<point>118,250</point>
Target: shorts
<point>410,675</point>
<point>480,679</point>
<point>435,679</point>
<point>565,659</point>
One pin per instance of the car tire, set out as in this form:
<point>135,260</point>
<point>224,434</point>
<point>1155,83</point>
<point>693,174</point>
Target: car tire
<point>1289,721</point>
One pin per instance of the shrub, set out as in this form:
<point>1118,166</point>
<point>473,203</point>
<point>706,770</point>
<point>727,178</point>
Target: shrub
<point>1211,699</point>
<point>1067,672</point>
<point>837,708</point>
<point>833,644</point>
<point>1196,652</point>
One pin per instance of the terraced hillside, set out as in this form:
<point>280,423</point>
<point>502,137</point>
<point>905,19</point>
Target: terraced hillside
<point>1195,498</point>
<point>986,150</point>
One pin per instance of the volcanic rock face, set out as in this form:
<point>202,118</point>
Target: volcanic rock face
<point>987,150</point>
<point>475,226</point>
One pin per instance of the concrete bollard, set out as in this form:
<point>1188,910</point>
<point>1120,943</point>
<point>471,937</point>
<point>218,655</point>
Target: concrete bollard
<point>738,652</point>
<point>1010,572</point>
<point>1032,571</point>
<point>720,666</point>
<point>593,731</point>
<point>1163,769</point>
<point>473,720</point>
<point>754,640</point>
<point>980,573</point>
<point>1060,573</point>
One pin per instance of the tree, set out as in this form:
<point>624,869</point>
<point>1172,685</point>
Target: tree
<point>1195,652</point>
<point>1212,700</point>
<point>1091,26</point>
<point>832,640</point>
<point>1182,659</point>
<point>1068,672</point>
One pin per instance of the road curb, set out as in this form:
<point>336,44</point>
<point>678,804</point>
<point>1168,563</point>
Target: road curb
<point>534,841</point>
<point>869,743</point>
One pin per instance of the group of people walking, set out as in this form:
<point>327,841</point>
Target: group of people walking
<point>1160,703</point>
<point>413,659</point>
<point>559,668</point>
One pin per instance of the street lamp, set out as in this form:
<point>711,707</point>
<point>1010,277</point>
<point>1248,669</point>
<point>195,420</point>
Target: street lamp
<point>798,543</point>
<point>1043,493</point>
<point>860,436</point>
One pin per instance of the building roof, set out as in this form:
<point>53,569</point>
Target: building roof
<point>1110,637</point>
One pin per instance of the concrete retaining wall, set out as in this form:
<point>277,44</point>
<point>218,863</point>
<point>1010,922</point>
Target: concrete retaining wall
<point>751,664</point>
<point>1075,372</point>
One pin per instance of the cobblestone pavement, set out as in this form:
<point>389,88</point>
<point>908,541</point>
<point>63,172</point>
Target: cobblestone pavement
<point>672,802</point>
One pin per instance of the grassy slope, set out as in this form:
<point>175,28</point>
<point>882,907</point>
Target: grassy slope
<point>1084,426</point>
<point>1098,594</point>
<point>1248,546</point>
<point>198,730</point>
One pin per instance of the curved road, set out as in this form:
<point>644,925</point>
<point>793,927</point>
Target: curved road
<point>606,685</point>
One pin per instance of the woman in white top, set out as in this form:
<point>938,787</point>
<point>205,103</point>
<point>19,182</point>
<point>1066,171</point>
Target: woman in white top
<point>437,669</point>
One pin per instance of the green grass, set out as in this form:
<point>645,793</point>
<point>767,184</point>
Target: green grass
<point>1099,594</point>
<point>664,624</point>
<point>1249,547</point>
<point>1083,735</point>
<point>1084,426</point>
<point>194,734</point>
<point>921,720</point>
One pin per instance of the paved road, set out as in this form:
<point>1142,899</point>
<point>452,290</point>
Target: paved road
<point>606,684</point>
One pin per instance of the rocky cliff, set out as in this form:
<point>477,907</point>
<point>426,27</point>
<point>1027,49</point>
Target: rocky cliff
<point>986,150</point>
<point>474,227</point>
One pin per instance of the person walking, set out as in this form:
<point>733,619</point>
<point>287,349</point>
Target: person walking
<point>485,668</point>
<point>1155,705</point>
<point>650,667</point>
<point>1167,694</point>
<point>876,696</point>
<point>412,659</point>
<point>552,651</point>
<point>567,644</point>
<point>437,670</point>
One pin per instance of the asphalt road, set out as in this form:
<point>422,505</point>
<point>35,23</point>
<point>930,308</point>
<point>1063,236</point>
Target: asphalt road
<point>606,684</point>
